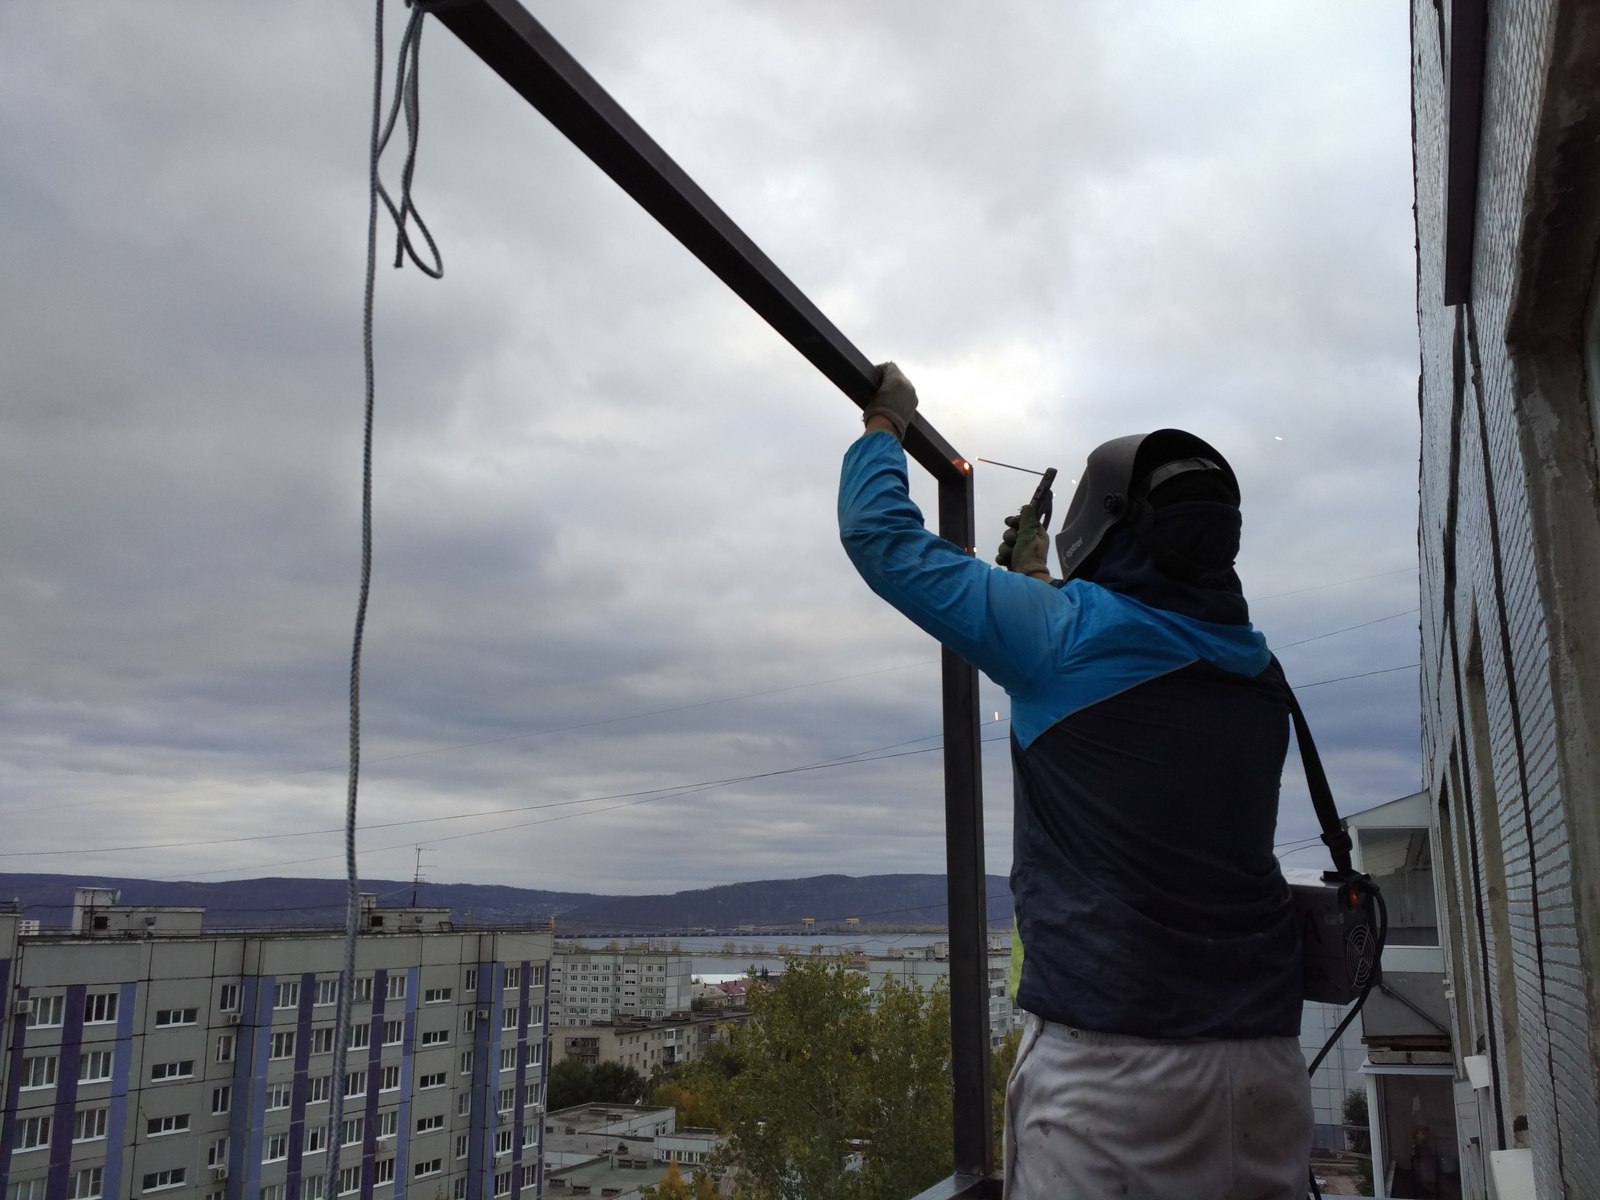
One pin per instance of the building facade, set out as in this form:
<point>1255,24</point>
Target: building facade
<point>142,1055</point>
<point>645,1046</point>
<point>608,984</point>
<point>1506,113</point>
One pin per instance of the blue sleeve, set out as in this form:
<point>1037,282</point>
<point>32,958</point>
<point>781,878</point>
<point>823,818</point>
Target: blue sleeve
<point>1009,626</point>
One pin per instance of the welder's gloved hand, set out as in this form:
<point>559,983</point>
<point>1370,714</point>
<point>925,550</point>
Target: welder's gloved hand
<point>895,400</point>
<point>1025,548</point>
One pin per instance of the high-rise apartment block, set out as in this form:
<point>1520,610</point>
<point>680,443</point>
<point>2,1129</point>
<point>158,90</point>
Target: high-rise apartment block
<point>590,985</point>
<point>144,1055</point>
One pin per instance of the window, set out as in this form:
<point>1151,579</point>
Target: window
<point>469,1020</point>
<point>471,981</point>
<point>429,1124</point>
<point>217,1152</point>
<point>286,995</point>
<point>272,1191</point>
<point>432,1166</point>
<point>502,1183</point>
<point>283,1044</point>
<point>430,1081</point>
<point>530,1094</point>
<point>458,1189</point>
<point>156,1181</point>
<point>314,1187</point>
<point>46,1011</point>
<point>221,1100</point>
<point>327,992</point>
<point>161,1126</point>
<point>228,997</point>
<point>277,1147</point>
<point>33,1133</point>
<point>183,1069</point>
<point>100,1008</point>
<point>535,1054</point>
<point>389,1079</point>
<point>435,1037</point>
<point>352,1129</point>
<point>360,1037</point>
<point>394,1032</point>
<point>88,1184</point>
<point>503,1141</point>
<point>362,990</point>
<point>397,987</point>
<point>355,1083</point>
<point>466,1062</point>
<point>383,1171</point>
<point>463,1144</point>
<point>177,1016</point>
<point>318,1088</point>
<point>438,995</point>
<point>512,977</point>
<point>225,1047</point>
<point>316,1138</point>
<point>386,1124</point>
<point>278,1096</point>
<point>510,1017</point>
<point>33,1189</point>
<point>94,1066</point>
<point>536,976</point>
<point>506,1100</point>
<point>39,1071</point>
<point>463,1104</point>
<point>349,1180</point>
<point>322,1041</point>
<point>530,1134</point>
<point>89,1125</point>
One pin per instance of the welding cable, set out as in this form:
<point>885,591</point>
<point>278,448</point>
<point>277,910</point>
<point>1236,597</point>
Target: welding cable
<point>406,96</point>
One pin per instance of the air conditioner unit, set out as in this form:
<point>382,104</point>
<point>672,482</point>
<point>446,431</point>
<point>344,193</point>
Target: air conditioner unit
<point>24,1008</point>
<point>231,1019</point>
<point>483,1014</point>
<point>219,1172</point>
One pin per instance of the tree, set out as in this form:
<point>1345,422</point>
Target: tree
<point>825,1076</point>
<point>1000,1064</point>
<point>574,1082</point>
<point>699,1186</point>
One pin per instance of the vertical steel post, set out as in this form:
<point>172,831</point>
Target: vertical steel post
<point>965,878</point>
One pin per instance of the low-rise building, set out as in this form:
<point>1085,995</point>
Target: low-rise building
<point>646,1046</point>
<point>611,1151</point>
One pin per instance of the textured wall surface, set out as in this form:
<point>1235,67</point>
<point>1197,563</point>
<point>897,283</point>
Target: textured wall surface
<point>1511,869</point>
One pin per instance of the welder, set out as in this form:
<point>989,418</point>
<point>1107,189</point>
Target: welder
<point>1155,951</point>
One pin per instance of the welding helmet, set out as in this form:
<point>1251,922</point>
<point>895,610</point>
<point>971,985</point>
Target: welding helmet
<point>1116,485</point>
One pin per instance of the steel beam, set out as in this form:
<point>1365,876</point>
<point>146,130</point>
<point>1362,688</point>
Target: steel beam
<point>522,52</point>
<point>517,48</point>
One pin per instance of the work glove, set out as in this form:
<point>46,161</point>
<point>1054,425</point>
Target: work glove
<point>895,399</point>
<point>1025,547</point>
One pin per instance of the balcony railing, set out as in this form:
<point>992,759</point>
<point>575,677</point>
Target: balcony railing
<point>517,48</point>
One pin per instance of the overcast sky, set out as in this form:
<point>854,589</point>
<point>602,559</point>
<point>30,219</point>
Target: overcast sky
<point>607,578</point>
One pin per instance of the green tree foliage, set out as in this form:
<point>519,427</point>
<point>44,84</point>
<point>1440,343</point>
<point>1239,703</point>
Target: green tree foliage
<point>573,1082</point>
<point>1000,1065</point>
<point>673,1186</point>
<point>827,1083</point>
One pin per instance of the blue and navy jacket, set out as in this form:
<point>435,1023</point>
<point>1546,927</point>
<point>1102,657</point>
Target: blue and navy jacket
<point>1147,748</point>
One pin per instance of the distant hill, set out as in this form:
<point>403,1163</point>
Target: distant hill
<point>877,901</point>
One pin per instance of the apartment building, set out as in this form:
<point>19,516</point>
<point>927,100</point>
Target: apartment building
<point>144,1055</point>
<point>646,1046</point>
<point>927,965</point>
<point>1506,120</point>
<point>602,985</point>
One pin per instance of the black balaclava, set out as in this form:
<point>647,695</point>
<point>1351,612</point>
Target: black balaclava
<point>1191,516</point>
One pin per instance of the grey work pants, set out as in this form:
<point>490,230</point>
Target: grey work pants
<point>1093,1116</point>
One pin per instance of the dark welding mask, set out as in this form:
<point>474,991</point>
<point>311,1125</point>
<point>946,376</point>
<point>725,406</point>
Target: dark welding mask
<point>1116,487</point>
